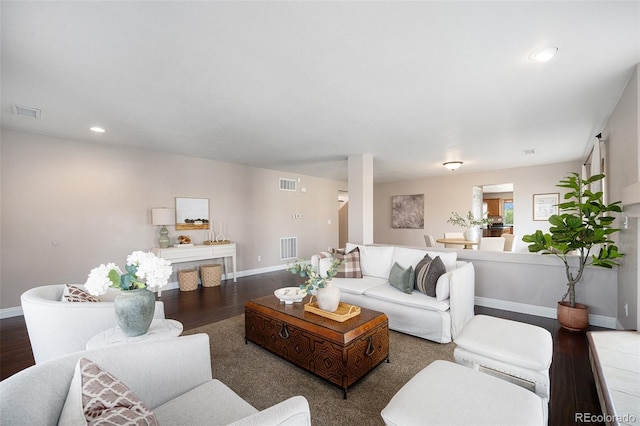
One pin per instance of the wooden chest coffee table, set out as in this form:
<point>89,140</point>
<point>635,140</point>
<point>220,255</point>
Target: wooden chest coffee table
<point>340,352</point>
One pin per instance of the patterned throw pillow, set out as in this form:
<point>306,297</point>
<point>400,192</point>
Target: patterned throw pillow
<point>96,397</point>
<point>402,279</point>
<point>427,273</point>
<point>76,294</point>
<point>350,268</point>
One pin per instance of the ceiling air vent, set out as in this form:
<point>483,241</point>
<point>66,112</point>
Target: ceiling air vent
<point>288,184</point>
<point>26,111</point>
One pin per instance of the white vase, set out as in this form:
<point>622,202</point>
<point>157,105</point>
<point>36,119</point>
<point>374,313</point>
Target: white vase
<point>472,234</point>
<point>328,297</point>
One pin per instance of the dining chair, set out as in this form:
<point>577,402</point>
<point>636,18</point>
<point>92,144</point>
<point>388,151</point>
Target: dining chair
<point>455,236</point>
<point>510,241</point>
<point>429,241</point>
<point>491,244</point>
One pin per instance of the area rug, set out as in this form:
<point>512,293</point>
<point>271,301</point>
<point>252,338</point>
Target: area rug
<point>264,379</point>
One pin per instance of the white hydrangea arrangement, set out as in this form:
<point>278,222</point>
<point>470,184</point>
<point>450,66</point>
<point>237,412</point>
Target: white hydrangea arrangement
<point>144,270</point>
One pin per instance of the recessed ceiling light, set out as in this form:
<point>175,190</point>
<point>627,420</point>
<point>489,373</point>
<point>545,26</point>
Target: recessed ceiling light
<point>543,54</point>
<point>97,129</point>
<point>452,165</point>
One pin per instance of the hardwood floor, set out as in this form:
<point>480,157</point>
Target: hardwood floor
<point>572,384</point>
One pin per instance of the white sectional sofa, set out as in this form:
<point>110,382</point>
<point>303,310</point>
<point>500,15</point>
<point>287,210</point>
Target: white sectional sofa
<point>438,318</point>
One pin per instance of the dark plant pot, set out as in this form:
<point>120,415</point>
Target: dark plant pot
<point>573,319</point>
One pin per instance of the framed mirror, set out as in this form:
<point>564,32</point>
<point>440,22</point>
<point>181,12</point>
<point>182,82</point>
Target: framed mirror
<point>192,213</point>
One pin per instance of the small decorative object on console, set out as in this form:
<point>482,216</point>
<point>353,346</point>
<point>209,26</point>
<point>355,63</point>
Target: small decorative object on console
<point>184,239</point>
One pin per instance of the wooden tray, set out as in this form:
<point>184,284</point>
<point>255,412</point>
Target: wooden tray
<point>343,313</point>
<point>215,243</point>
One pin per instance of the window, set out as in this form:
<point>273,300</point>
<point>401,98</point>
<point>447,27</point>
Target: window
<point>507,209</point>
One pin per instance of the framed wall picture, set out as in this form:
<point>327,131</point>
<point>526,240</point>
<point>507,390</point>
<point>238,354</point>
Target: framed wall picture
<point>545,205</point>
<point>407,211</point>
<point>192,213</point>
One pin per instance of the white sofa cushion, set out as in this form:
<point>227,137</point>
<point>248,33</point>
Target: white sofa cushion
<point>211,403</point>
<point>513,342</point>
<point>445,393</point>
<point>359,285</point>
<point>443,286</point>
<point>374,261</point>
<point>408,256</point>
<point>414,300</point>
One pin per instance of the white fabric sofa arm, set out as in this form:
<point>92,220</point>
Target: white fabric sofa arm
<point>462,297</point>
<point>35,396</point>
<point>291,412</point>
<point>322,264</point>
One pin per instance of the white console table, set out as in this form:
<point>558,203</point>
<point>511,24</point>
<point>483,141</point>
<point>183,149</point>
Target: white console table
<point>201,252</point>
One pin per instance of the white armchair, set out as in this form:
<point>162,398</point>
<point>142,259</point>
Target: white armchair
<point>172,377</point>
<point>56,328</point>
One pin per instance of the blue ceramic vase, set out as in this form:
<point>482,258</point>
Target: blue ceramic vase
<point>134,311</point>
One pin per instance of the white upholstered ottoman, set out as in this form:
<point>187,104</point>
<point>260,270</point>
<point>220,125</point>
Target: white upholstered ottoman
<point>518,352</point>
<point>445,393</point>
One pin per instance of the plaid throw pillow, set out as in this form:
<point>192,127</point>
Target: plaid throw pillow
<point>350,267</point>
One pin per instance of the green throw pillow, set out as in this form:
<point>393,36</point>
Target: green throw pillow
<point>401,278</point>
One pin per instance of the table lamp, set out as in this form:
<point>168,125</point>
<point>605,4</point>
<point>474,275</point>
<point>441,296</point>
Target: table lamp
<point>163,217</point>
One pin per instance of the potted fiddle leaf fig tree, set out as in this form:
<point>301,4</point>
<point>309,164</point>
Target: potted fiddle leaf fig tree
<point>582,227</point>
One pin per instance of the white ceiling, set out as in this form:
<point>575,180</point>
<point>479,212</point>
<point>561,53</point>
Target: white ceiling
<point>299,86</point>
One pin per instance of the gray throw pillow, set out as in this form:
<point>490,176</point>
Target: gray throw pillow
<point>427,273</point>
<point>402,278</point>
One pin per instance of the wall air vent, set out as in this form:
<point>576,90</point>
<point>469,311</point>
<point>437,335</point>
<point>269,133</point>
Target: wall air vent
<point>288,184</point>
<point>288,248</point>
<point>26,111</point>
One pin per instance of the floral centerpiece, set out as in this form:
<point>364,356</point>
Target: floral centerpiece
<point>135,305</point>
<point>466,222</point>
<point>327,294</point>
<point>315,279</point>
<point>469,222</point>
<point>146,266</point>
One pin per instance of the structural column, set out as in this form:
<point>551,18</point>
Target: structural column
<point>361,198</point>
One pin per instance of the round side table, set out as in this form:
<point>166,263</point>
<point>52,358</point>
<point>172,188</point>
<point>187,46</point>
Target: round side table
<point>159,329</point>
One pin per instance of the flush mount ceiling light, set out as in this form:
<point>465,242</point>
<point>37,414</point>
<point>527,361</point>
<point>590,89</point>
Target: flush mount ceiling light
<point>97,129</point>
<point>543,54</point>
<point>452,165</point>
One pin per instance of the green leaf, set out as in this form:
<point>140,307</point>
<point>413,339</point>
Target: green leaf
<point>114,277</point>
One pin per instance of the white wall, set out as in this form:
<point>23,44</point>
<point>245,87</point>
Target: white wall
<point>454,193</point>
<point>623,164</point>
<point>68,206</point>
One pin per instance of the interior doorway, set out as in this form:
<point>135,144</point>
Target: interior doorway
<point>343,218</point>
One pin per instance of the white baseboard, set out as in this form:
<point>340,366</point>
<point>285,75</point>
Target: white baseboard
<point>541,311</point>
<point>228,276</point>
<point>10,312</point>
